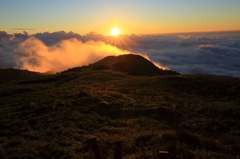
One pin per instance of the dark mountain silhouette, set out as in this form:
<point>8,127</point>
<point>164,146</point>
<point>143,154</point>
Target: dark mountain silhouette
<point>16,74</point>
<point>130,64</point>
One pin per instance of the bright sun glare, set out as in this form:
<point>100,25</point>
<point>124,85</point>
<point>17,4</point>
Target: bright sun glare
<point>115,31</point>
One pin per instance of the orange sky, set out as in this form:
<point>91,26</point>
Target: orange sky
<point>135,16</point>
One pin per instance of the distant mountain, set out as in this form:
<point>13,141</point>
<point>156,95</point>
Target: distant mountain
<point>16,74</point>
<point>130,63</point>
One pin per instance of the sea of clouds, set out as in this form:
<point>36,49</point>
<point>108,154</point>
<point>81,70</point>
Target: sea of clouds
<point>215,53</point>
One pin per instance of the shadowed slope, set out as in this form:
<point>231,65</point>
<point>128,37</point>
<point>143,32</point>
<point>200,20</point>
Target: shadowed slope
<point>130,64</point>
<point>15,74</point>
<point>54,116</point>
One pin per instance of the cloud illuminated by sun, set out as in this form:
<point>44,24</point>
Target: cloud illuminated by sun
<point>115,31</point>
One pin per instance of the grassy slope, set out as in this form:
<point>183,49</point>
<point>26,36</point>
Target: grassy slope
<point>54,116</point>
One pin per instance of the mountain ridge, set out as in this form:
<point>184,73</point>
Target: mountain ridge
<point>131,64</point>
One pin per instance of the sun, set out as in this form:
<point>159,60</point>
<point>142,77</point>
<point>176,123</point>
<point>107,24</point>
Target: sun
<point>115,31</point>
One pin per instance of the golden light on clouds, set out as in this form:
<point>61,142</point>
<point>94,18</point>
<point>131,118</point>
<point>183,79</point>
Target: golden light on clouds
<point>63,55</point>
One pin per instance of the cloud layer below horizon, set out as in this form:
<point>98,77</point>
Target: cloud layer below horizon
<point>53,52</point>
<point>187,53</point>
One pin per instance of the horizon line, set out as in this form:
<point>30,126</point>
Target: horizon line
<point>184,32</point>
<point>194,32</point>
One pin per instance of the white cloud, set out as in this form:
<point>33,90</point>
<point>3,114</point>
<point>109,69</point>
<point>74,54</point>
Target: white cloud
<point>204,53</point>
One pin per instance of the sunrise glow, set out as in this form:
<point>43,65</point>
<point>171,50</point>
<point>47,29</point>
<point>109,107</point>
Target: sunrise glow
<point>115,31</point>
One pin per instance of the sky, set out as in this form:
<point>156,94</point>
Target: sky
<point>187,36</point>
<point>130,16</point>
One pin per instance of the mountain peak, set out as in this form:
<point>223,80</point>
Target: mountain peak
<point>131,64</point>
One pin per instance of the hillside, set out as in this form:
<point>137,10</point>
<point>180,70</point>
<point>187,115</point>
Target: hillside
<point>130,63</point>
<point>15,74</point>
<point>54,116</point>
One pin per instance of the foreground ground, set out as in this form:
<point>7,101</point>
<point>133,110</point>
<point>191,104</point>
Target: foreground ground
<point>54,116</point>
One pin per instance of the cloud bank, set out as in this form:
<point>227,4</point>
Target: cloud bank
<point>60,51</point>
<point>217,54</point>
<point>36,56</point>
<point>188,53</point>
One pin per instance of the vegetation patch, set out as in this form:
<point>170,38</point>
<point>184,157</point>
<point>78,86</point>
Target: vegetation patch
<point>55,116</point>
